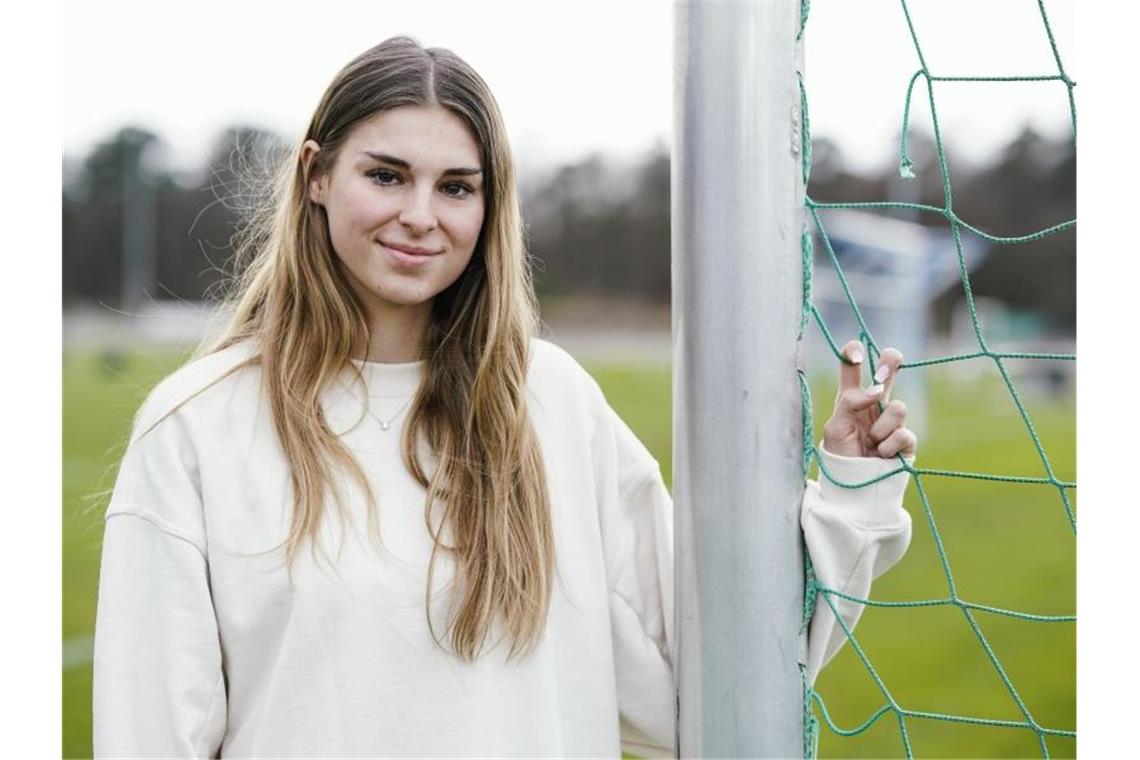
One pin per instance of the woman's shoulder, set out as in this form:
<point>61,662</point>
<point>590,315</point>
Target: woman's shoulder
<point>553,368</point>
<point>193,379</point>
<point>563,384</point>
<point>563,391</point>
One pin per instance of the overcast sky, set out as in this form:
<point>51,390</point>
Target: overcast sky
<point>570,77</point>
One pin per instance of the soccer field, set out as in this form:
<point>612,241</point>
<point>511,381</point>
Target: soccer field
<point>1009,545</point>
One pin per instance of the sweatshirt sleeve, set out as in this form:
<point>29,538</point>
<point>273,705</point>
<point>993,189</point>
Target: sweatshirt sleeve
<point>641,597</point>
<point>853,535</point>
<point>159,689</point>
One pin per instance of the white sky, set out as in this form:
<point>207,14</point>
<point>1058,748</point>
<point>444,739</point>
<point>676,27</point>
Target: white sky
<point>570,77</point>
<point>857,82</point>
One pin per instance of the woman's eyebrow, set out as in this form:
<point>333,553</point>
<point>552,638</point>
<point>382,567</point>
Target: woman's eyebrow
<point>394,161</point>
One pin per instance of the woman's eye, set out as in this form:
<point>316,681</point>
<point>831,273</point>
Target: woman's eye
<point>384,176</point>
<point>457,189</point>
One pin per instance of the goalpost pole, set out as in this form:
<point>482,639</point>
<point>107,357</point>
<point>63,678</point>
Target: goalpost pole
<point>737,217</point>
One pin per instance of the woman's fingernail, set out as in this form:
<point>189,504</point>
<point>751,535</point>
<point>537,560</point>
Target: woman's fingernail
<point>882,373</point>
<point>855,356</point>
<point>875,390</point>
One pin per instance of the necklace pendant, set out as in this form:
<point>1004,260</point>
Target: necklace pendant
<point>383,425</point>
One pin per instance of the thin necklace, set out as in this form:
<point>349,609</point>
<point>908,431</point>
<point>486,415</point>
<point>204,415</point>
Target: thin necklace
<point>384,425</point>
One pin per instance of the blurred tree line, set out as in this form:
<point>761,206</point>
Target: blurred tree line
<point>594,227</point>
<point>1029,186</point>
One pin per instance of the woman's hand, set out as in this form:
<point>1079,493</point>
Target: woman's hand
<point>857,428</point>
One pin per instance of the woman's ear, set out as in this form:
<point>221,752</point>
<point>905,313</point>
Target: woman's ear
<point>316,187</point>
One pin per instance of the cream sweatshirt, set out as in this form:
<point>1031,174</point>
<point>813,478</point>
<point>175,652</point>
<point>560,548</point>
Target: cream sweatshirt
<point>204,649</point>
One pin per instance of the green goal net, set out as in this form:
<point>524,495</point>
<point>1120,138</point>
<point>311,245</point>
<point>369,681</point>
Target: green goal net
<point>974,613</point>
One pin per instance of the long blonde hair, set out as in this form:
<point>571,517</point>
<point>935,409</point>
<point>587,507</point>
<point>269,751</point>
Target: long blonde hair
<point>293,300</point>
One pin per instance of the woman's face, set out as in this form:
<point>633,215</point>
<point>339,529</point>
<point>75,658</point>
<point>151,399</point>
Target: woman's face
<point>405,204</point>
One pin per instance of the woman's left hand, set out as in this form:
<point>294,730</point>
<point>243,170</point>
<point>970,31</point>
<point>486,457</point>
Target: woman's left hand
<point>857,428</point>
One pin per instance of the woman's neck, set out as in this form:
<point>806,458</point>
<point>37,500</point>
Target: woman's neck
<point>396,333</point>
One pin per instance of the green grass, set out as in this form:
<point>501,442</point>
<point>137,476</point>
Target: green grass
<point>1009,545</point>
<point>100,395</point>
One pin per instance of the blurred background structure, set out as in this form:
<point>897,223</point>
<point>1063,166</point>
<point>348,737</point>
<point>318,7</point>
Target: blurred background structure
<point>164,145</point>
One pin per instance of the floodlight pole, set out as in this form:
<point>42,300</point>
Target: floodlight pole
<point>137,273</point>
<point>737,210</point>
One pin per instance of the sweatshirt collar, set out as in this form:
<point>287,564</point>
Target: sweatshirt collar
<point>391,380</point>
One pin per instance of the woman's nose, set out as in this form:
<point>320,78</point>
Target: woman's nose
<point>417,214</point>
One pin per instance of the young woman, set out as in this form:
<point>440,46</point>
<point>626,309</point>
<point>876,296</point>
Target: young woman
<point>513,594</point>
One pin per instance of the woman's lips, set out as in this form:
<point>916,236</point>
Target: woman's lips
<point>410,249</point>
<point>407,256</point>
